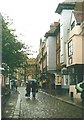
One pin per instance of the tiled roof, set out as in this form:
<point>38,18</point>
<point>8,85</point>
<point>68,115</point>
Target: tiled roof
<point>79,12</point>
<point>79,15</point>
<point>79,6</point>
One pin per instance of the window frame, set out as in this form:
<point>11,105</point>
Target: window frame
<point>70,48</point>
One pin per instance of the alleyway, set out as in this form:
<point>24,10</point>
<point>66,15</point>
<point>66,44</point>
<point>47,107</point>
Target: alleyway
<point>44,106</point>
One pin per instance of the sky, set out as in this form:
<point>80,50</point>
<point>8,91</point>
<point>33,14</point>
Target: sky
<point>31,19</point>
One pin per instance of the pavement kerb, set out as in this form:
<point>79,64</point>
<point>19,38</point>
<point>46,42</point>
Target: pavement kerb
<point>17,108</point>
<point>62,100</point>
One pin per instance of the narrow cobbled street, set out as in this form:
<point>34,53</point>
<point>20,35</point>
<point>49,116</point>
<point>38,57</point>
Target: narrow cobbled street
<point>45,106</point>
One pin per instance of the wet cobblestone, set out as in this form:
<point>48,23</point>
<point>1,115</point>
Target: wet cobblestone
<point>9,108</point>
<point>44,106</point>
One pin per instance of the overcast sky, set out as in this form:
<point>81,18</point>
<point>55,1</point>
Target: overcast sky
<point>31,18</point>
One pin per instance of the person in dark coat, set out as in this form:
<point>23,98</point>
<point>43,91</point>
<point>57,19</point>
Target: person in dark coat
<point>34,88</point>
<point>15,85</point>
<point>28,89</point>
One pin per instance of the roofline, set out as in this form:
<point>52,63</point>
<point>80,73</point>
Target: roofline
<point>48,34</point>
<point>61,6</point>
<point>53,33</point>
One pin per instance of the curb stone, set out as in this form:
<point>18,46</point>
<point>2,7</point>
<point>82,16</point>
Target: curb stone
<point>17,108</point>
<point>63,100</point>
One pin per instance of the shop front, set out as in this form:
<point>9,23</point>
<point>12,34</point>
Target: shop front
<point>75,75</point>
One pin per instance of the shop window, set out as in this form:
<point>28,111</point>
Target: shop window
<point>72,82</point>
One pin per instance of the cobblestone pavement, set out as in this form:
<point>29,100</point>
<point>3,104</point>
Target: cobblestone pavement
<point>65,98</point>
<point>44,106</point>
<point>47,106</point>
<point>9,108</point>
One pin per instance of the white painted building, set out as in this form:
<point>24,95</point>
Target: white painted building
<point>72,45</point>
<point>65,10</point>
<point>75,46</point>
<point>51,53</point>
<point>51,48</point>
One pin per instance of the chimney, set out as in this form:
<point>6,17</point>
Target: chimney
<point>56,24</point>
<point>51,26</point>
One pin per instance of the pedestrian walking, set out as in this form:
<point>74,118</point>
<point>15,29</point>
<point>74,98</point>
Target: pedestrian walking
<point>11,84</point>
<point>28,89</point>
<point>34,88</point>
<point>15,84</point>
